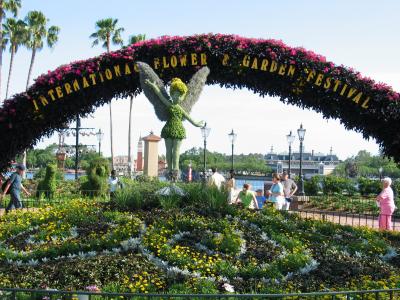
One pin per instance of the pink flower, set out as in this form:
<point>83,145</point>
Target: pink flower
<point>293,52</point>
<point>78,72</point>
<point>326,70</point>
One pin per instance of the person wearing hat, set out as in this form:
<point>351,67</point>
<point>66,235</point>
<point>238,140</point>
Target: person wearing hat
<point>15,186</point>
<point>289,188</point>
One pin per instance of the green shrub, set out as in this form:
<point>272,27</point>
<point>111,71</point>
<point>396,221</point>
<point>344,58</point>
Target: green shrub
<point>368,186</point>
<point>338,185</point>
<point>97,174</point>
<point>313,186</point>
<point>48,185</point>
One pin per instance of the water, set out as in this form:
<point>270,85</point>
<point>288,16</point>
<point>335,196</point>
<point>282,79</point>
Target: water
<point>67,176</point>
<point>256,184</point>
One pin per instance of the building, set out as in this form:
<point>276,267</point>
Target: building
<point>313,163</point>
<point>139,157</point>
<point>121,164</point>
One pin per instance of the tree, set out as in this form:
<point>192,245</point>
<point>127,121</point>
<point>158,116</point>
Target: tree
<point>5,6</point>
<point>38,32</point>
<point>132,40</point>
<point>107,32</point>
<point>16,33</point>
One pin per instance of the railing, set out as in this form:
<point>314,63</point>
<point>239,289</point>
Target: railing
<point>17,294</point>
<point>345,203</point>
<point>387,222</point>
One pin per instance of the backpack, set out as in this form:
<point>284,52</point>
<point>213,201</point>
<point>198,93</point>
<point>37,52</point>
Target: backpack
<point>3,186</point>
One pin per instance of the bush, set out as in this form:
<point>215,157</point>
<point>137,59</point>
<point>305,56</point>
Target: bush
<point>48,185</point>
<point>97,174</point>
<point>138,195</point>
<point>368,186</point>
<point>338,185</point>
<point>313,186</point>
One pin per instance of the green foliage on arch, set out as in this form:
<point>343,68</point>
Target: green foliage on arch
<point>267,67</point>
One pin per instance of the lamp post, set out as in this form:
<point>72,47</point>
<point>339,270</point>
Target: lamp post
<point>301,132</point>
<point>290,139</point>
<point>232,138</point>
<point>205,131</point>
<point>99,136</point>
<point>380,173</point>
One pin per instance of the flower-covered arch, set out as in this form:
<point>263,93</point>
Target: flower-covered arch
<point>267,67</point>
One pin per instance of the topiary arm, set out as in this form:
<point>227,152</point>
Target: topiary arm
<point>158,92</point>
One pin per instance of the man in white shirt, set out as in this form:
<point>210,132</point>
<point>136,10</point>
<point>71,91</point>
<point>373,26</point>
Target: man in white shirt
<point>113,183</point>
<point>216,179</point>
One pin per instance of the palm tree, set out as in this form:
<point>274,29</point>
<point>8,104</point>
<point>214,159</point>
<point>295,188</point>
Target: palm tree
<point>11,6</point>
<point>132,40</point>
<point>37,32</point>
<point>107,32</point>
<point>16,33</point>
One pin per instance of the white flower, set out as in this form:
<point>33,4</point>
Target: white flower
<point>81,254</point>
<point>19,263</point>
<point>33,262</point>
<point>45,259</point>
<point>116,250</point>
<point>91,253</point>
<point>228,287</point>
<point>391,253</point>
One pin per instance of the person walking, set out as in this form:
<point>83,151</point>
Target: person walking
<point>385,201</point>
<point>289,189</point>
<point>14,185</point>
<point>247,197</point>
<point>276,195</point>
<point>216,179</point>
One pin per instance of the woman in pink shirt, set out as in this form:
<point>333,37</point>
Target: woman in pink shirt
<point>385,202</point>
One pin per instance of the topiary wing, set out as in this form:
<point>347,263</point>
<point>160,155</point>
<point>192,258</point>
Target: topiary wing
<point>147,73</point>
<point>195,87</point>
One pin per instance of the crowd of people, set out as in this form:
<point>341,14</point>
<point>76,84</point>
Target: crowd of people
<point>279,194</point>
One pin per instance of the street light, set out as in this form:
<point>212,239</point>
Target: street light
<point>99,136</point>
<point>290,139</point>
<point>301,132</point>
<point>205,131</point>
<point>380,173</point>
<point>232,138</point>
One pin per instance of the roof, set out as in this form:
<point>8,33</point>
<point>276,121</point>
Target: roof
<point>152,138</point>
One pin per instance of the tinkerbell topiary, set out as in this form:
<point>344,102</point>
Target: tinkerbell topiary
<point>174,108</point>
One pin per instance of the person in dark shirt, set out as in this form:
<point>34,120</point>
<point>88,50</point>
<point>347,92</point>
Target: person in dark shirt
<point>15,186</point>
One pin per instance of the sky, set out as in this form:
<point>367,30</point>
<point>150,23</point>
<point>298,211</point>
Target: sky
<point>362,34</point>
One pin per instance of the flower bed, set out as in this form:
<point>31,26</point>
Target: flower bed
<point>181,251</point>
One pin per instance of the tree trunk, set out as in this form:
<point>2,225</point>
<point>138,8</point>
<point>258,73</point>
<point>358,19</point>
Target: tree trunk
<point>111,123</point>
<point>129,138</point>
<point>31,67</point>
<point>10,69</point>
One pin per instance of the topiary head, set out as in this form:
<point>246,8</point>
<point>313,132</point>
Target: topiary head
<point>178,90</point>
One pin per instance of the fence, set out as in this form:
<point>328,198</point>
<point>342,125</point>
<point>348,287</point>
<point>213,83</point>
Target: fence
<point>19,294</point>
<point>345,203</point>
<point>388,222</point>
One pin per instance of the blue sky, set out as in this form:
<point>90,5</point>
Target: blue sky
<point>359,34</point>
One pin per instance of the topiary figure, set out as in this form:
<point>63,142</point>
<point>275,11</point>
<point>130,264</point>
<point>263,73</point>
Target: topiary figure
<point>48,185</point>
<point>97,174</point>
